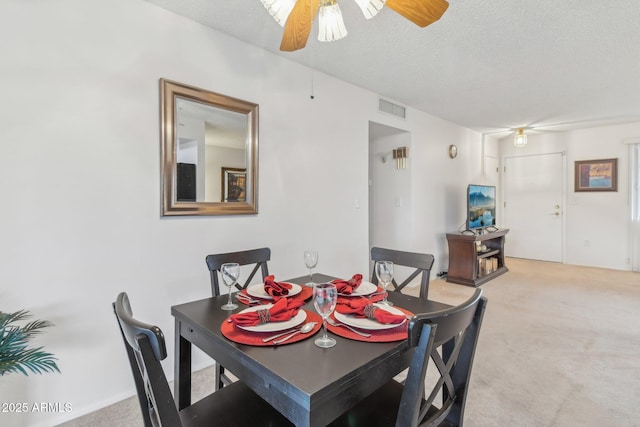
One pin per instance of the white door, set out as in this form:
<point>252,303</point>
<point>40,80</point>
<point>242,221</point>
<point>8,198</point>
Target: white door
<point>533,206</point>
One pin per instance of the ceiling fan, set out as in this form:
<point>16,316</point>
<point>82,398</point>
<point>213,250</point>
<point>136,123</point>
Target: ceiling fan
<point>297,16</point>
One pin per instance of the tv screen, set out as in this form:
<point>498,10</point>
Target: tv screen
<point>481,206</point>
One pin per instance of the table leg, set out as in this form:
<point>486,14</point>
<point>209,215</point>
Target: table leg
<point>182,369</point>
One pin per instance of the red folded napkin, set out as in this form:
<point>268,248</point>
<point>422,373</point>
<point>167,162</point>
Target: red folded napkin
<point>281,311</point>
<point>348,286</point>
<point>376,297</point>
<point>277,290</point>
<point>361,307</point>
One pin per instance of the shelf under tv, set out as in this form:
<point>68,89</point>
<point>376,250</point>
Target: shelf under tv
<point>487,254</point>
<point>463,257</point>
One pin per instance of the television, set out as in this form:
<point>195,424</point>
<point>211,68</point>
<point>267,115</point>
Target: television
<point>481,206</point>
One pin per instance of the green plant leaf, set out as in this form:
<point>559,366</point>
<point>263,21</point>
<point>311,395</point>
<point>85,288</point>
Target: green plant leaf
<point>15,356</point>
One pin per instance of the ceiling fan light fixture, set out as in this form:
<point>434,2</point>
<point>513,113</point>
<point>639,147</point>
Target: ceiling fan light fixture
<point>370,8</point>
<point>331,25</point>
<point>279,9</point>
<point>520,139</point>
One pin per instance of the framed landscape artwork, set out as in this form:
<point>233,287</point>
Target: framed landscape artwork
<point>234,185</point>
<point>596,175</point>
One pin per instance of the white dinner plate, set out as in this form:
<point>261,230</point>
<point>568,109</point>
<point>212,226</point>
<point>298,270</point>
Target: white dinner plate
<point>274,326</point>
<point>365,288</point>
<point>364,323</point>
<point>259,292</point>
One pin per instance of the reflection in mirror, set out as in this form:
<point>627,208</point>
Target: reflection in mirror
<point>210,146</point>
<point>209,140</point>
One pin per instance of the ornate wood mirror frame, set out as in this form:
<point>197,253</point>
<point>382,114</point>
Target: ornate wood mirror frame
<point>203,134</point>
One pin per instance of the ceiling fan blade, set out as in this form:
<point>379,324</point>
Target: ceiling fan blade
<point>420,12</point>
<point>298,26</point>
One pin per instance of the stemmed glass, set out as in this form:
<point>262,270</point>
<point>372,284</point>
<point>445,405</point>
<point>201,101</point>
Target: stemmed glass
<point>384,272</point>
<point>311,260</point>
<point>230,273</point>
<point>325,296</point>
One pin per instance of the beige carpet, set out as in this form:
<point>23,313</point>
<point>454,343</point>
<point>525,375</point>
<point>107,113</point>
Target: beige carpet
<point>559,346</point>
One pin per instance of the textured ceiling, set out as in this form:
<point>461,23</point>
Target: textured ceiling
<point>489,65</point>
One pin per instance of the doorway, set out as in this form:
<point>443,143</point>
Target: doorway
<point>389,188</point>
<point>533,208</point>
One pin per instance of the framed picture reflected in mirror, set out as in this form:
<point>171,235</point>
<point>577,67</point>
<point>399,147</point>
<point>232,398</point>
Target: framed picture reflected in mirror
<point>234,185</point>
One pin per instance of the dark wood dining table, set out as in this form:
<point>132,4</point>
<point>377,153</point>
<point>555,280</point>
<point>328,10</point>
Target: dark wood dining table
<point>311,386</point>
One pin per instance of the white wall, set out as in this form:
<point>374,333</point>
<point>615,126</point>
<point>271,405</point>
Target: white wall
<point>439,184</point>
<point>602,218</point>
<point>80,180</point>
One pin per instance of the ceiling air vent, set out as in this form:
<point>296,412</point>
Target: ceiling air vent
<point>391,108</point>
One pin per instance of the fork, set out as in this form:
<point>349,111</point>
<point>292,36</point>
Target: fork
<point>334,323</point>
<point>247,300</point>
<point>281,334</point>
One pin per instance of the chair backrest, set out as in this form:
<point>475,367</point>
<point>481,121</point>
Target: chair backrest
<point>421,262</point>
<point>259,257</point>
<point>449,338</point>
<point>146,347</point>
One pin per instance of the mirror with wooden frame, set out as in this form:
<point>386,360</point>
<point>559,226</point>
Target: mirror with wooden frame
<point>209,152</point>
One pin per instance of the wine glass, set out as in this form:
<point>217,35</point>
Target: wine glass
<point>310,260</point>
<point>325,296</point>
<point>230,273</point>
<point>384,272</point>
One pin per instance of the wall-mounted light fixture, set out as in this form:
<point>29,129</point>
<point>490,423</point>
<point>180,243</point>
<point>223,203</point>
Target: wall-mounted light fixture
<point>520,139</point>
<point>400,154</point>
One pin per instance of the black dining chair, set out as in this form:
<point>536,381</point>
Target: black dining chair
<point>234,405</point>
<point>257,257</point>
<point>421,262</point>
<point>449,338</point>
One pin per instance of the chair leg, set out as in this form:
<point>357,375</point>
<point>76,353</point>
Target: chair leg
<point>221,382</point>
<point>217,377</point>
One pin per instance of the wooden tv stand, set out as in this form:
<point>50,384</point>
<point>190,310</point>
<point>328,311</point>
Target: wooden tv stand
<point>464,265</point>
